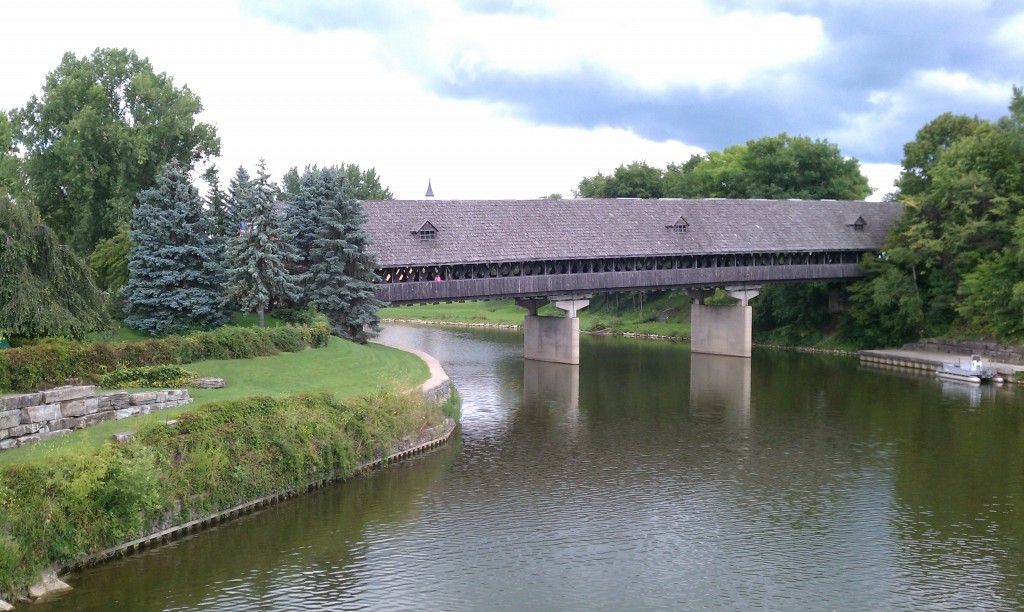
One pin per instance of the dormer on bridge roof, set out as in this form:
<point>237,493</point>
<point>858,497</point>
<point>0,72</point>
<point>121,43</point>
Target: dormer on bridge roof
<point>857,224</point>
<point>427,231</point>
<point>679,226</point>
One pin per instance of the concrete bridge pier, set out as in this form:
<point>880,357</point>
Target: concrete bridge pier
<point>723,330</point>
<point>555,339</point>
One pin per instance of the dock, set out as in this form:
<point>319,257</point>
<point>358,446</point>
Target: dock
<point>929,360</point>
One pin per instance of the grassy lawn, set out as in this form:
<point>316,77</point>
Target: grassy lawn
<point>118,334</point>
<point>605,313</point>
<point>342,368</point>
<point>490,311</point>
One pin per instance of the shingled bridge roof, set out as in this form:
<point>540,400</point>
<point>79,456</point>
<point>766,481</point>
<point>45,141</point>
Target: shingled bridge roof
<point>476,231</point>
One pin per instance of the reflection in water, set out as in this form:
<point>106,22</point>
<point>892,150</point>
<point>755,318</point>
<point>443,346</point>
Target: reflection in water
<point>721,381</point>
<point>552,384</point>
<point>659,480</point>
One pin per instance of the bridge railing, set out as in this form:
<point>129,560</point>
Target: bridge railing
<point>424,284</point>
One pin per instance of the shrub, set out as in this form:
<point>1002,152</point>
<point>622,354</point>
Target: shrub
<point>52,363</point>
<point>295,317</point>
<point>148,376</point>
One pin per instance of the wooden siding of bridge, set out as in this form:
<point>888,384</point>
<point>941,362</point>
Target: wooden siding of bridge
<point>421,292</point>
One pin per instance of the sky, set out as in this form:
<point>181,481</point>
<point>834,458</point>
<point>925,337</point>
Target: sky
<point>496,99</point>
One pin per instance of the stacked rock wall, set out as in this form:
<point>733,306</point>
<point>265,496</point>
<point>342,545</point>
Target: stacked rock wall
<point>32,417</point>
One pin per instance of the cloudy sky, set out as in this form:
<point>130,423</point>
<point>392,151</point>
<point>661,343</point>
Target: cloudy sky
<point>523,98</point>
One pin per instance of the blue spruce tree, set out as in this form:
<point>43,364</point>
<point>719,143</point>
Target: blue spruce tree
<point>174,278</point>
<point>341,275</point>
<point>259,254</point>
<point>314,187</point>
<point>235,213</point>
<point>217,205</point>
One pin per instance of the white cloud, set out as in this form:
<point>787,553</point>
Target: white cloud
<point>357,94</point>
<point>323,98</point>
<point>866,131</point>
<point>961,84</point>
<point>881,178</point>
<point>890,111</point>
<point>651,45</point>
<point>1010,36</point>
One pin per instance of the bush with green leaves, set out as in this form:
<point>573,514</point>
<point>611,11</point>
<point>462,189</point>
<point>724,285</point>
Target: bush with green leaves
<point>148,376</point>
<point>295,316</point>
<point>52,363</point>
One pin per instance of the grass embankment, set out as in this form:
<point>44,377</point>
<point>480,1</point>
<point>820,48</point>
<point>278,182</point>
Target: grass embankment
<point>319,414</point>
<point>211,459</point>
<point>663,314</point>
<point>344,369</point>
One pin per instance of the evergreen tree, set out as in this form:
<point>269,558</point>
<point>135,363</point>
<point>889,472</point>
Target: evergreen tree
<point>342,276</point>
<point>259,254</point>
<point>313,188</point>
<point>238,202</point>
<point>217,205</point>
<point>175,279</point>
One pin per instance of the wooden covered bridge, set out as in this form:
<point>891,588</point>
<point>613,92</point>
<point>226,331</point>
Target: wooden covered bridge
<point>565,250</point>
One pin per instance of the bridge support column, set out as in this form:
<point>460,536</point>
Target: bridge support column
<point>724,330</point>
<point>555,339</point>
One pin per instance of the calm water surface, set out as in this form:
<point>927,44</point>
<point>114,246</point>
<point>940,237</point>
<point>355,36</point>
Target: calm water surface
<point>645,478</point>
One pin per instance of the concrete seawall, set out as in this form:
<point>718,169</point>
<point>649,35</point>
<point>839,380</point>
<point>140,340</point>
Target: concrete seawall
<point>929,360</point>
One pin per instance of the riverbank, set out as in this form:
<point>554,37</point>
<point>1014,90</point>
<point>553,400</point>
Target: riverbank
<point>204,467</point>
<point>606,332</point>
<point>341,368</point>
<point>666,314</point>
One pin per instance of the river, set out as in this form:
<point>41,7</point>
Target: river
<point>645,478</point>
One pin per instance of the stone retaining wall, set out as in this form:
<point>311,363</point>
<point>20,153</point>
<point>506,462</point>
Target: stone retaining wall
<point>32,417</point>
<point>991,351</point>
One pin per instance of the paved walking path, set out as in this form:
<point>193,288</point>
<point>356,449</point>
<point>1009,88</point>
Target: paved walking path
<point>438,377</point>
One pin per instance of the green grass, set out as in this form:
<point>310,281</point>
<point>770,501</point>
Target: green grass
<point>342,368</point>
<point>244,319</point>
<point>605,314</point>
<point>494,312</point>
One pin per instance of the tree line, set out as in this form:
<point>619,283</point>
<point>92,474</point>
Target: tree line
<point>952,265</point>
<point>96,195</point>
<point>98,208</point>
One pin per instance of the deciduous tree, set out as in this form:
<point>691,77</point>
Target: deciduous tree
<point>637,180</point>
<point>364,184</point>
<point>109,260</point>
<point>45,289</point>
<point>957,247</point>
<point>98,136</point>
<point>773,167</point>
